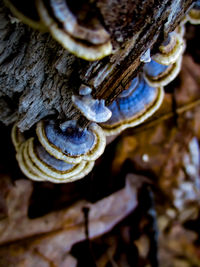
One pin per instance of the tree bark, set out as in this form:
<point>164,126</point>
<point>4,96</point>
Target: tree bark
<point>39,77</point>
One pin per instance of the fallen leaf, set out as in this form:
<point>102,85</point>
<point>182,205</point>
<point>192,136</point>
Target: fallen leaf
<point>54,234</point>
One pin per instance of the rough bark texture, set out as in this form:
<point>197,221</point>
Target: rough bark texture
<point>38,77</point>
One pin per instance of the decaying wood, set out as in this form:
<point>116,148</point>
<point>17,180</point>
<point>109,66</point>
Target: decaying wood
<point>38,77</point>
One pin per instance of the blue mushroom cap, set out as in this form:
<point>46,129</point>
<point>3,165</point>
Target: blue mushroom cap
<point>51,161</point>
<point>132,87</point>
<point>93,109</point>
<point>72,141</point>
<point>154,69</point>
<point>124,108</point>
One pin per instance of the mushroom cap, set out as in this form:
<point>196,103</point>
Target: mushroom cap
<point>132,87</point>
<point>50,165</point>
<point>93,32</point>
<point>37,164</point>
<point>154,68</point>
<point>36,169</point>
<point>75,46</point>
<point>84,90</point>
<point>170,50</point>
<point>23,165</point>
<point>180,29</point>
<point>93,109</point>
<point>133,109</point>
<point>146,56</point>
<point>17,137</point>
<point>71,144</point>
<point>26,11</point>
<point>194,14</point>
<point>157,74</point>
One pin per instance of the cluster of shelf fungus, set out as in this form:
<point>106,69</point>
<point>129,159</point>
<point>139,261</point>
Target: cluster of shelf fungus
<point>63,151</point>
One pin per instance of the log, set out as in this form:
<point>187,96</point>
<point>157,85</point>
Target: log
<point>39,77</point>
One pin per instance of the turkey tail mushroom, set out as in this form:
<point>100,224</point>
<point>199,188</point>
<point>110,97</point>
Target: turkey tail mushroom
<point>37,164</point>
<point>80,48</point>
<point>157,74</point>
<point>170,50</point>
<point>92,109</point>
<point>93,32</point>
<point>26,11</point>
<point>17,137</point>
<point>194,14</point>
<point>71,143</point>
<point>133,106</point>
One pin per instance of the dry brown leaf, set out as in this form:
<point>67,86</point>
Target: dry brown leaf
<point>63,229</point>
<point>189,88</point>
<point>178,244</point>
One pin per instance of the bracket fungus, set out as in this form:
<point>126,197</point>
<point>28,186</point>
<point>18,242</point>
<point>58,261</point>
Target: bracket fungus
<point>80,48</point>
<point>92,109</point>
<point>85,90</point>
<point>20,156</point>
<point>89,41</point>
<point>71,143</point>
<point>26,11</point>
<point>37,164</point>
<point>166,64</point>
<point>180,29</point>
<point>171,49</point>
<point>133,106</point>
<point>93,32</point>
<point>157,74</point>
<point>17,137</point>
<point>194,14</point>
<point>58,154</point>
<point>146,56</point>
